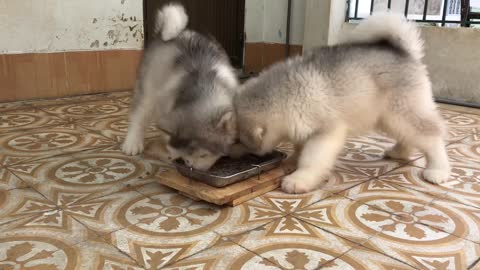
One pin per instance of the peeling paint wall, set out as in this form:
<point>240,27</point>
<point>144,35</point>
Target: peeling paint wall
<point>70,25</point>
<point>266,21</point>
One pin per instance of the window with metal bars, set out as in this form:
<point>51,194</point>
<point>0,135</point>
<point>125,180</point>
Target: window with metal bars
<point>447,13</point>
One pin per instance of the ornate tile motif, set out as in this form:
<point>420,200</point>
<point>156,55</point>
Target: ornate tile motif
<point>20,203</point>
<point>369,259</point>
<point>454,109</point>
<point>88,110</point>
<point>70,199</point>
<point>99,172</point>
<point>428,250</point>
<point>9,181</point>
<point>10,106</point>
<point>165,227</point>
<point>222,255</point>
<point>68,100</point>
<point>47,142</point>
<point>294,244</point>
<point>116,128</point>
<point>28,118</point>
<point>40,244</point>
<point>463,125</point>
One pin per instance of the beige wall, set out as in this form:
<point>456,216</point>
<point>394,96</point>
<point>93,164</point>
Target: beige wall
<point>452,55</point>
<point>453,60</point>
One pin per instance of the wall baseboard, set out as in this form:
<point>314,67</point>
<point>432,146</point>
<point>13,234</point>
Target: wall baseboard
<point>46,75</point>
<point>49,75</point>
<point>261,55</point>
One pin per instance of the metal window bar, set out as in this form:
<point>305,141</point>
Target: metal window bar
<point>467,17</point>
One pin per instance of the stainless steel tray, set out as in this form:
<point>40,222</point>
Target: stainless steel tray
<point>216,179</point>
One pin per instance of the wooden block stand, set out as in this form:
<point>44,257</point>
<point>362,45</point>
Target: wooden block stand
<point>231,195</point>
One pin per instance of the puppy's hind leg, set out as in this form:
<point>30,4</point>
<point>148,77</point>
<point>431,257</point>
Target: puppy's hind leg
<point>422,128</point>
<point>142,108</point>
<point>316,159</point>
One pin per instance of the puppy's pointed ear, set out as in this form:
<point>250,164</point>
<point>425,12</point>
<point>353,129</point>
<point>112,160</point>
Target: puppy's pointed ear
<point>226,122</point>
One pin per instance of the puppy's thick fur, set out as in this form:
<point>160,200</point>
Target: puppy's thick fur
<point>185,85</point>
<point>374,80</point>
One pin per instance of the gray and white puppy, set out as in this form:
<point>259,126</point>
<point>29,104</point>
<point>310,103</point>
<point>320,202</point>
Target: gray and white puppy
<point>375,80</point>
<point>185,85</point>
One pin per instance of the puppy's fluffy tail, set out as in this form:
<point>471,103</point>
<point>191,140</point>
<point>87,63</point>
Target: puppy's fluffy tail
<point>393,27</point>
<point>171,21</point>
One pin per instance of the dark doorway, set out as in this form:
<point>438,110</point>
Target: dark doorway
<point>223,19</point>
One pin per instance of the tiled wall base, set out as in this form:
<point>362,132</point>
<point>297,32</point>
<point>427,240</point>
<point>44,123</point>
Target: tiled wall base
<point>44,75</point>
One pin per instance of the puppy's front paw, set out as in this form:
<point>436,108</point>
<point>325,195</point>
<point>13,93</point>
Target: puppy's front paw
<point>299,182</point>
<point>436,176</point>
<point>132,146</point>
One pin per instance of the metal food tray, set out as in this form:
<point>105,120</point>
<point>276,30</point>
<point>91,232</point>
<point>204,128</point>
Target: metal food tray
<point>221,181</point>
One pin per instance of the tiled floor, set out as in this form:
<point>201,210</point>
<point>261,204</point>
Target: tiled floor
<point>69,199</point>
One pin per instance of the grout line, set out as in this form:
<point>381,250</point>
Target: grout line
<point>429,203</point>
<point>107,243</point>
<point>256,228</point>
<point>363,242</point>
<point>31,186</point>
<point>475,263</point>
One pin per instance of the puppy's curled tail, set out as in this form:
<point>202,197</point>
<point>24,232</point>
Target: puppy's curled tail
<point>171,21</point>
<point>392,27</point>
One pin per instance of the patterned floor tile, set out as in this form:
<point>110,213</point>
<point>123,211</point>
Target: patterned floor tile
<point>293,244</point>
<point>9,106</point>
<point>467,150</point>
<point>70,199</point>
<point>475,265</point>
<point>106,214</point>
<point>263,209</point>
<point>165,227</point>
<point>98,254</point>
<point>43,242</point>
<point>413,227</point>
<point>99,172</point>
<point>88,110</point>
<point>227,220</point>
<point>19,203</point>
<point>225,254</point>
<point>26,119</point>
<point>411,177</point>
<point>116,127</point>
<point>41,143</point>
<point>435,250</point>
<point>362,159</point>
<point>387,188</point>
<point>50,226</point>
<point>463,125</point>
<point>447,112</point>
<point>367,259</point>
<point>119,94</point>
<point>335,215</point>
<point>39,103</point>
<point>464,151</point>
<point>393,210</point>
<point>464,183</point>
<point>127,98</point>
<point>10,181</point>
<point>467,217</point>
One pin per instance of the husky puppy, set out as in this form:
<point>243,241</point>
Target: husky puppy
<point>375,80</point>
<point>185,85</point>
